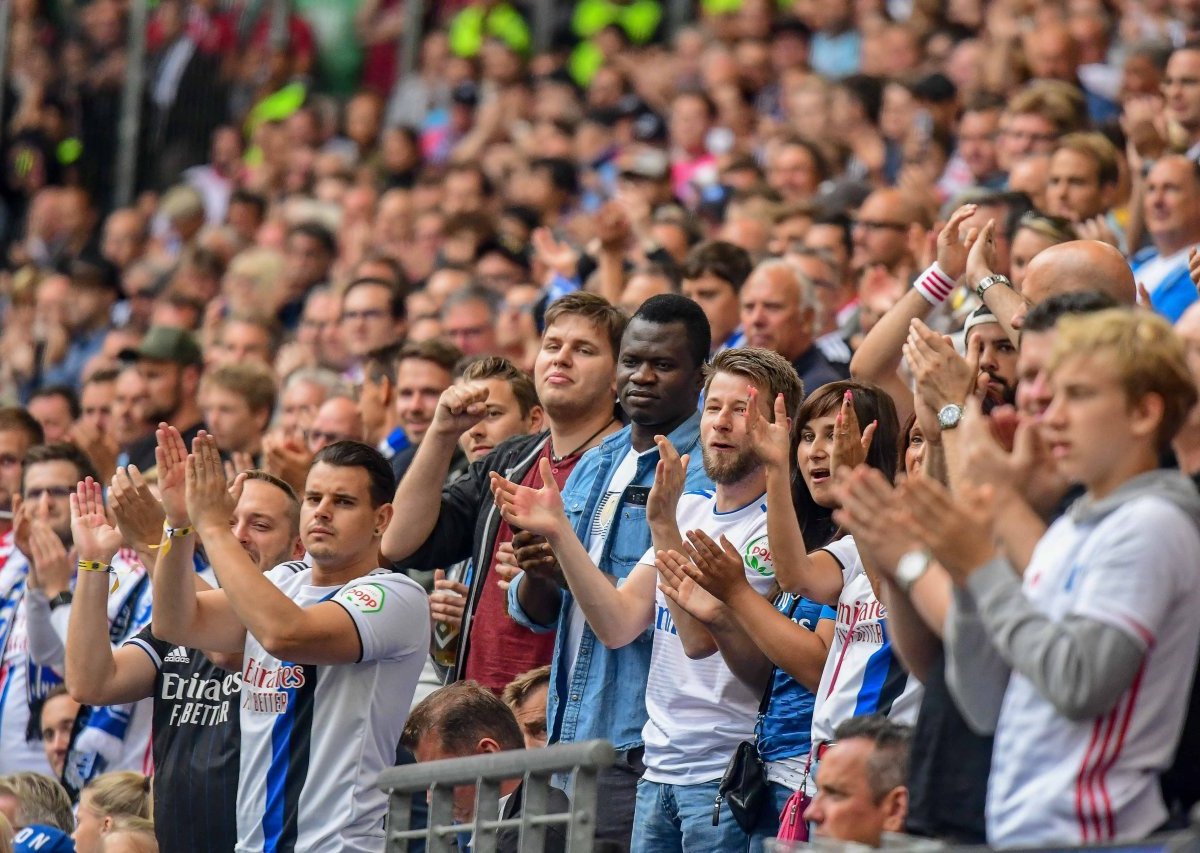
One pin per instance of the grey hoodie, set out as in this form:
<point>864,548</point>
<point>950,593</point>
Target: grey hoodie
<point>1081,666</point>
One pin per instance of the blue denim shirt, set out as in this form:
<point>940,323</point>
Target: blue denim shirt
<point>606,696</point>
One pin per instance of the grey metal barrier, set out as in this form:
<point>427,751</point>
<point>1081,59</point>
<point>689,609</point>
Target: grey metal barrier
<point>535,767</point>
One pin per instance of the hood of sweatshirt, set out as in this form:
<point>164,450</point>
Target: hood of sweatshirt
<point>1170,485</point>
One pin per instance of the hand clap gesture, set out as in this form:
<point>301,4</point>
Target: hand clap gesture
<point>209,502</point>
<point>536,510</point>
<point>95,538</point>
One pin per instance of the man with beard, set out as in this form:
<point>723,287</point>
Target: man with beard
<point>698,709</point>
<point>196,732</point>
<point>170,362</point>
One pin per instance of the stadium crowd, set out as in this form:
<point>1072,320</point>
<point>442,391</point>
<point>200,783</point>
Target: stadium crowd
<point>803,400</point>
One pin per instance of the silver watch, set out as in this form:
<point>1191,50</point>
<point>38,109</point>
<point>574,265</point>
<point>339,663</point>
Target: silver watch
<point>988,281</point>
<point>949,415</point>
<point>911,568</point>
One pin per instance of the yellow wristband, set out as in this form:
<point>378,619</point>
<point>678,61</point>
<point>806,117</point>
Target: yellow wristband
<point>94,566</point>
<point>170,533</point>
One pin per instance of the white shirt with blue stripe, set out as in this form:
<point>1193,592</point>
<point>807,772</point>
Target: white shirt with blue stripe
<point>315,738</point>
<point>862,674</point>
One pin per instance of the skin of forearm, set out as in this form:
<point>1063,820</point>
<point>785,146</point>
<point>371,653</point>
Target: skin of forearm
<point>540,598</point>
<point>1019,529</point>
<point>881,351</point>
<point>794,570</point>
<point>415,514</point>
<point>610,266</point>
<point>175,592</point>
<point>1005,303</point>
<point>266,612</point>
<point>798,652</point>
<point>90,663</point>
<point>698,641</point>
<point>613,615</point>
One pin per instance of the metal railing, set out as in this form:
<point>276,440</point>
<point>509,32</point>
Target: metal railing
<point>535,767</point>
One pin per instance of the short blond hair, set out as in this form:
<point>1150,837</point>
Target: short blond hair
<point>250,380</point>
<point>1096,146</point>
<point>1148,356</point>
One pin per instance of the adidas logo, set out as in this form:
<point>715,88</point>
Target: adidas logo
<point>177,655</point>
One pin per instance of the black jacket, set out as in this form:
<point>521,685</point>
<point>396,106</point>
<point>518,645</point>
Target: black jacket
<point>468,523</point>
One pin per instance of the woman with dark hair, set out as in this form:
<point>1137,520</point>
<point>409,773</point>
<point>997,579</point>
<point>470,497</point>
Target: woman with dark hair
<point>785,648</point>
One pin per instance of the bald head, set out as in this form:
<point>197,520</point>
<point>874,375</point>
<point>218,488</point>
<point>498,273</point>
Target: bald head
<point>1076,266</point>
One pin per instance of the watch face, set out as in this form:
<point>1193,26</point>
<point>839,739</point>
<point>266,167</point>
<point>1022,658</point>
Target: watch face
<point>911,566</point>
<point>949,416</point>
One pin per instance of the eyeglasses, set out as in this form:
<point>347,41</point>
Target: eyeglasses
<point>58,493</point>
<point>324,438</point>
<point>467,332</point>
<point>370,314</point>
<point>879,225</point>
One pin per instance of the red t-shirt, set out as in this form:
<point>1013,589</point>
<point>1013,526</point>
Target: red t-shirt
<point>500,649</point>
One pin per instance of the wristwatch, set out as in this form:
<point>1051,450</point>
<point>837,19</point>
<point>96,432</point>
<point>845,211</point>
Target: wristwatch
<point>911,568</point>
<point>949,415</point>
<point>61,600</point>
<point>988,281</point>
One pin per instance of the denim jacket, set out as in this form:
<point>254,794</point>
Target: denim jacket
<point>606,696</point>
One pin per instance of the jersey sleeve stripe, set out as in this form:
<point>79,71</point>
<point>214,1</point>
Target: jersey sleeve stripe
<point>148,649</point>
<point>362,649</point>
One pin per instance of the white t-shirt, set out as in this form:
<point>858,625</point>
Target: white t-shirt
<point>602,520</point>
<point>698,711</point>
<point>1089,782</point>
<point>862,674</point>
<point>315,738</point>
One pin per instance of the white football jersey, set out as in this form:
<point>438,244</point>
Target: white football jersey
<point>698,709</point>
<point>315,738</point>
<point>1056,781</point>
<point>862,674</point>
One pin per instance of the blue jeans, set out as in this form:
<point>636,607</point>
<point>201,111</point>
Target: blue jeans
<point>768,820</point>
<point>678,819</point>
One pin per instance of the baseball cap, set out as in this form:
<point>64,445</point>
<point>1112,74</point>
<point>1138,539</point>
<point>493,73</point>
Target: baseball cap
<point>164,343</point>
<point>981,316</point>
<point>42,839</point>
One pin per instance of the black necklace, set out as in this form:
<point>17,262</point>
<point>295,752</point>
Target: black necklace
<point>554,460</point>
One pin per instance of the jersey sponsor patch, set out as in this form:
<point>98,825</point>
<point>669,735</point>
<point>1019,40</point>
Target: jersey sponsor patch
<point>757,555</point>
<point>367,597</point>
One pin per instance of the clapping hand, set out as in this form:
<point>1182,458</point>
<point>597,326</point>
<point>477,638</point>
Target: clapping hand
<point>771,441</point>
<point>872,511</point>
<point>677,583</point>
<point>536,510</point>
<point>953,248</point>
<point>670,477</point>
<point>139,515</point>
<point>718,568</point>
<point>850,443</point>
<point>209,502</point>
<point>959,528</point>
<point>95,538</point>
<point>170,458</point>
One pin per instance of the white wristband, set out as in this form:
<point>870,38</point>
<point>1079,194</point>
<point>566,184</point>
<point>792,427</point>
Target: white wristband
<point>934,285</point>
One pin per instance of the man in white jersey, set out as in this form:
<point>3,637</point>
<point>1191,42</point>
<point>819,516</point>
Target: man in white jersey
<point>331,653</point>
<point>698,711</point>
<point>18,432</point>
<point>1082,666</point>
